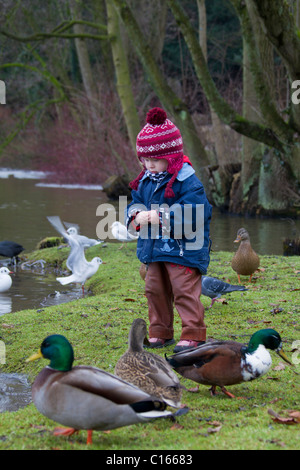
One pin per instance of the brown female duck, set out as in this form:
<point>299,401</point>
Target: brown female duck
<point>146,370</point>
<point>245,260</point>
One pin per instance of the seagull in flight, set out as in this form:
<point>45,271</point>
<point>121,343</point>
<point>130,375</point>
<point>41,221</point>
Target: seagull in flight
<point>77,263</point>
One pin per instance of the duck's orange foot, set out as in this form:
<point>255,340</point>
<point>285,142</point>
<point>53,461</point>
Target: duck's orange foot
<point>230,395</point>
<point>71,431</point>
<point>89,440</point>
<point>194,389</point>
<point>64,431</point>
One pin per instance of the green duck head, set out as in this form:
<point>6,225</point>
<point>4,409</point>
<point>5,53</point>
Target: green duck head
<point>270,339</point>
<point>58,350</point>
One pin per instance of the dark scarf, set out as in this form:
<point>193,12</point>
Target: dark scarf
<point>158,177</point>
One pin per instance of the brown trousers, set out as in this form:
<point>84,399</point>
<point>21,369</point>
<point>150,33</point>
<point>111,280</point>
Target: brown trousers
<point>167,283</point>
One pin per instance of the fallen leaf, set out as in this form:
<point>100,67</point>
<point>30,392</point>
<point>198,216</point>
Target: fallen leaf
<point>295,414</point>
<point>215,429</point>
<point>281,420</point>
<point>130,300</point>
<point>280,366</point>
<point>215,423</point>
<point>277,442</point>
<point>177,426</point>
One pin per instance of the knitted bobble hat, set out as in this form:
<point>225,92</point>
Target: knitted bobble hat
<point>160,138</point>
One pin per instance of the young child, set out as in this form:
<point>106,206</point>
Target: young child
<point>170,210</point>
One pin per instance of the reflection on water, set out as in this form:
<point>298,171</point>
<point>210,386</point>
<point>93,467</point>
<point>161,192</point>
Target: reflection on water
<point>15,392</point>
<point>266,234</point>
<point>36,289</point>
<point>5,303</point>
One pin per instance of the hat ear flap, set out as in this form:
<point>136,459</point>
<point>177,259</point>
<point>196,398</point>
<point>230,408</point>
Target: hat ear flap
<point>169,191</point>
<point>135,183</point>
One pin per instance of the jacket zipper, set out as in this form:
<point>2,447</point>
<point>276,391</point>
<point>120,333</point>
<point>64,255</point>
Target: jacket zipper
<point>180,248</point>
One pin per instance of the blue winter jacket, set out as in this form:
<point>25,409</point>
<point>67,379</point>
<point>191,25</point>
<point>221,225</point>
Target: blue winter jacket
<point>183,234</point>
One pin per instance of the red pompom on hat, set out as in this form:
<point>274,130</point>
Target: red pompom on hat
<point>160,138</point>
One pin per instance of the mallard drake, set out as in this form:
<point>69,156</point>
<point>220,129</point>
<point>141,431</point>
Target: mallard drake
<point>214,288</point>
<point>221,363</point>
<point>5,279</point>
<point>146,370</point>
<point>245,260</point>
<point>84,397</point>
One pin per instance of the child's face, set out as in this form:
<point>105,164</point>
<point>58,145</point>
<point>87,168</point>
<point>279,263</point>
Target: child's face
<point>155,165</point>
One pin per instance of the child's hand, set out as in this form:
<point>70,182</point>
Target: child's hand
<point>147,217</point>
<point>142,218</point>
<point>153,217</point>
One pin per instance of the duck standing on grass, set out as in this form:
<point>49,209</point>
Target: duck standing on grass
<point>222,363</point>
<point>146,370</point>
<point>245,261</point>
<point>85,397</point>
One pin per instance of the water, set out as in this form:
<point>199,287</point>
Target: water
<point>15,392</point>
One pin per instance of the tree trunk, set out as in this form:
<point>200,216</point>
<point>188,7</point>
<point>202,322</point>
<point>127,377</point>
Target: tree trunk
<point>256,192</point>
<point>124,86</point>
<point>83,58</point>
<point>274,131</point>
<point>170,101</point>
<point>217,126</point>
<point>221,177</point>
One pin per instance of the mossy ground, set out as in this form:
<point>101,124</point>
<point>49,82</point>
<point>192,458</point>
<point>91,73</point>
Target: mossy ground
<point>98,327</point>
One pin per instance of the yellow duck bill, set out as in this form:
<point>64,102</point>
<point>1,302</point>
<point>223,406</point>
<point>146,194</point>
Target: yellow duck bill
<point>35,356</point>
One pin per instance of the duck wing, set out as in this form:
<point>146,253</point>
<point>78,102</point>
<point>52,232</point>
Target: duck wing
<point>102,383</point>
<point>205,353</point>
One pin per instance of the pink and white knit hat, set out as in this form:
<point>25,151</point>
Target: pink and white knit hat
<point>160,138</point>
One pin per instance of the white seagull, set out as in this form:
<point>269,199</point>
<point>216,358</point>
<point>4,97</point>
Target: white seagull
<point>73,230</point>
<point>5,279</point>
<point>82,239</point>
<point>120,232</point>
<point>81,269</point>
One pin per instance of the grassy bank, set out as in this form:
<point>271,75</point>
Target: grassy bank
<point>98,326</point>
